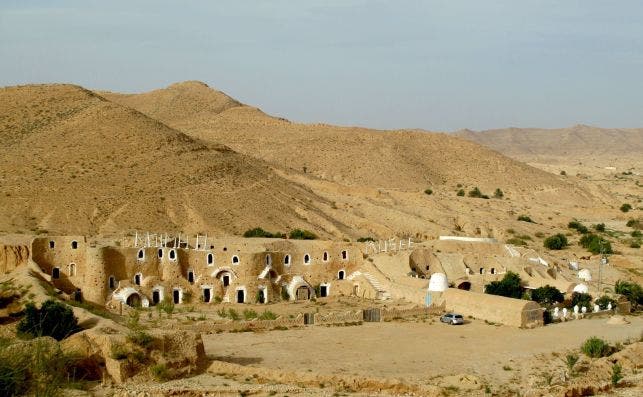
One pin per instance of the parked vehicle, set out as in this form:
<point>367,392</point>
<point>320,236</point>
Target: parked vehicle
<point>452,318</point>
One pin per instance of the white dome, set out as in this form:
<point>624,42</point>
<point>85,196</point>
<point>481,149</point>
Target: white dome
<point>585,275</point>
<point>438,282</point>
<point>582,288</point>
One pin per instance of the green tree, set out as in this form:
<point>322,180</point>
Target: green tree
<point>595,244</point>
<point>581,299</point>
<point>53,319</point>
<point>510,286</point>
<point>555,242</point>
<point>547,295</point>
<point>630,290</point>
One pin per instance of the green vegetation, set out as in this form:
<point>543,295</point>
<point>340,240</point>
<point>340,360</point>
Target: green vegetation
<point>596,348</point>
<point>563,173</point>
<point>39,368</point>
<point>604,301</point>
<point>636,233</point>
<point>259,232</point>
<point>580,228</point>
<point>460,193</point>
<point>570,360</point>
<point>268,315</point>
<point>555,242</point>
<point>249,314</point>
<point>53,319</point>
<point>140,338</point>
<point>626,207</point>
<point>630,290</point>
<point>635,244</point>
<point>617,374</point>
<point>167,306</point>
<point>634,224</point>
<point>599,227</point>
<point>510,286</point>
<point>498,193</point>
<point>547,295</point>
<point>596,244</point>
<point>525,218</point>
<point>476,193</point>
<point>581,299</point>
<point>365,239</point>
<point>160,372</point>
<point>233,314</point>
<point>428,192</point>
<point>299,234</point>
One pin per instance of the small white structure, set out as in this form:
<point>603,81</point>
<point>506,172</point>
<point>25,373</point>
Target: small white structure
<point>573,265</point>
<point>581,288</point>
<point>585,275</point>
<point>438,282</point>
<point>556,312</point>
<point>596,308</point>
<point>609,306</point>
<point>564,312</point>
<point>583,309</point>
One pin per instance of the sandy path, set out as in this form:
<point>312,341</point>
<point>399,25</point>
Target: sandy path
<point>409,351</point>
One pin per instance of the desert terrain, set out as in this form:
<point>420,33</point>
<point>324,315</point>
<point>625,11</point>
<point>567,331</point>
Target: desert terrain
<point>191,159</point>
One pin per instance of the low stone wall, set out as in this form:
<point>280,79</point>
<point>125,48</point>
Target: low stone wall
<point>250,325</point>
<point>338,317</point>
<point>390,314</point>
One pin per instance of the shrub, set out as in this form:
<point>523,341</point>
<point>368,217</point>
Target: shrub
<point>140,338</point>
<point>599,227</point>
<point>118,351</point>
<point>604,301</point>
<point>233,314</point>
<point>547,295</point>
<point>636,233</point>
<point>516,241</point>
<point>578,226</point>
<point>595,348</point>
<point>299,234</point>
<point>53,319</point>
<point>40,369</point>
<point>630,290</point>
<point>428,191</point>
<point>617,374</point>
<point>460,193</point>
<point>570,360</point>
<point>160,372</point>
<point>634,223</point>
<point>596,244</point>
<point>581,299</point>
<point>509,286</point>
<point>563,173</point>
<point>555,242</point>
<point>249,314</point>
<point>259,232</point>
<point>626,207</point>
<point>635,244</point>
<point>167,305</point>
<point>268,315</point>
<point>498,193</point>
<point>476,193</point>
<point>365,239</point>
<point>525,218</point>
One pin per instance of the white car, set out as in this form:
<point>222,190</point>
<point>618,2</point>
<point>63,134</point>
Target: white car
<point>452,318</point>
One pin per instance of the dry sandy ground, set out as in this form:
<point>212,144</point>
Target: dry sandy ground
<point>413,352</point>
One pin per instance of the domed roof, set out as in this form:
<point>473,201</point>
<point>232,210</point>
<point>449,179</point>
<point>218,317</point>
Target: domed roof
<point>582,288</point>
<point>438,282</point>
<point>585,274</point>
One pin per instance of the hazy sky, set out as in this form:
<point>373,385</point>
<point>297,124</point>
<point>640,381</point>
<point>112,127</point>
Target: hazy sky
<point>438,65</point>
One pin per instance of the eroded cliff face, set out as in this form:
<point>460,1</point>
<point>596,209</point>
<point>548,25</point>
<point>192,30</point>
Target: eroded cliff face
<point>12,256</point>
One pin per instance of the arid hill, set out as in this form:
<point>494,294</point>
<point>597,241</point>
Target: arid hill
<point>407,160</point>
<point>576,141</point>
<point>74,162</point>
<point>190,158</point>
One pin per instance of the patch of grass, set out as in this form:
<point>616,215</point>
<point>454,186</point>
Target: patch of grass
<point>249,314</point>
<point>299,234</point>
<point>365,239</point>
<point>233,314</point>
<point>617,374</point>
<point>119,351</point>
<point>140,338</point>
<point>507,368</point>
<point>570,361</point>
<point>160,372</point>
<point>596,348</point>
<point>267,315</point>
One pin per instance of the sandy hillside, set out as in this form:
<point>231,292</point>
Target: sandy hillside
<point>352,156</point>
<point>74,162</point>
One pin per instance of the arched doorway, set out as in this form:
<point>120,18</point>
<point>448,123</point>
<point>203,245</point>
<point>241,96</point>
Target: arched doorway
<point>134,300</point>
<point>465,285</point>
